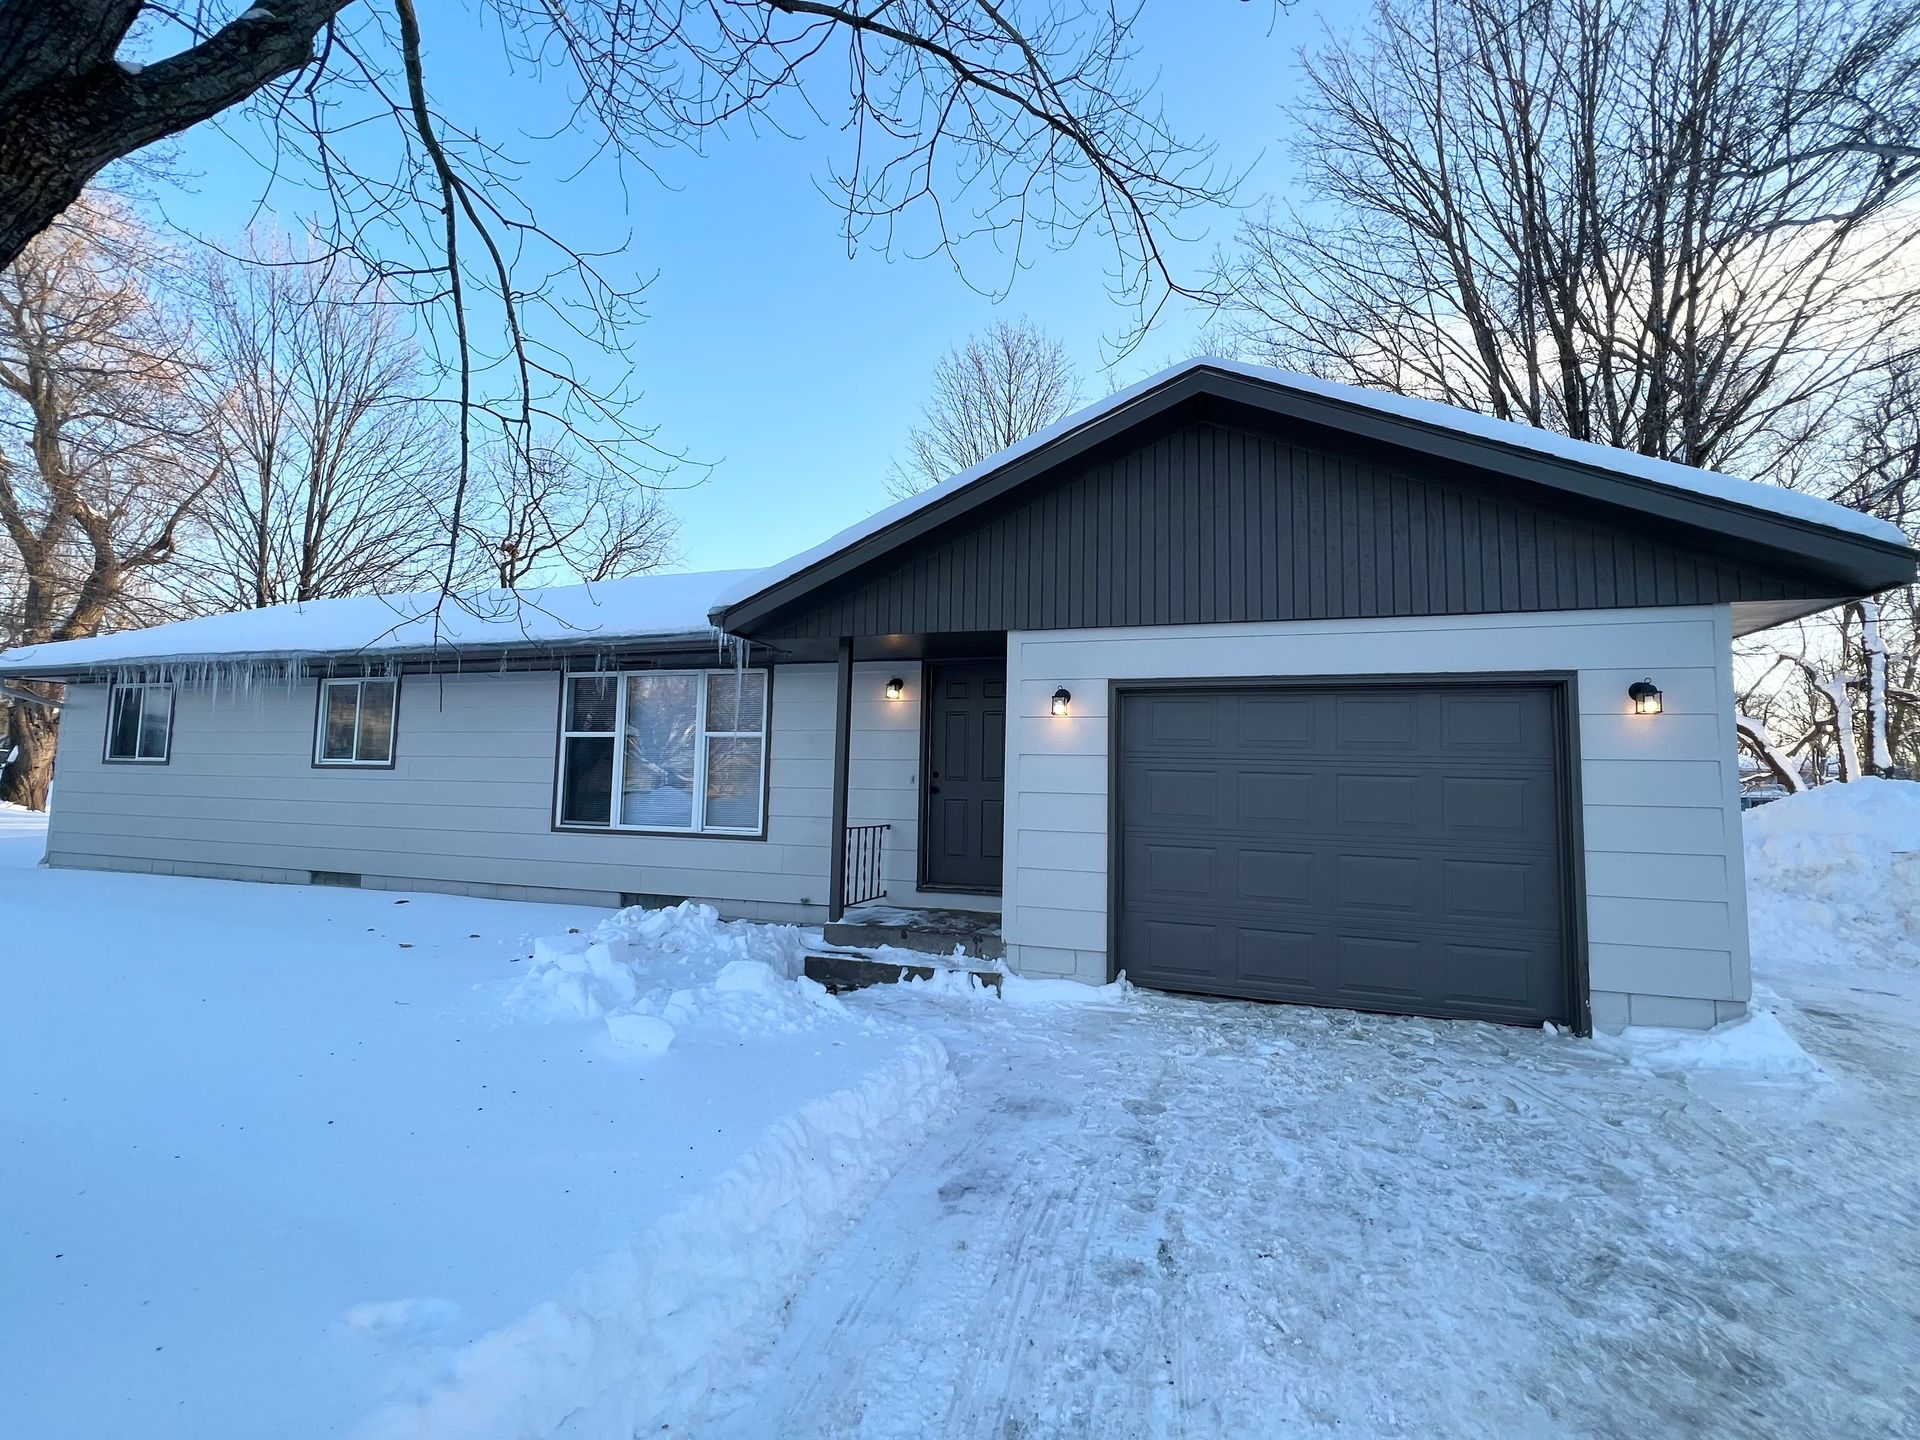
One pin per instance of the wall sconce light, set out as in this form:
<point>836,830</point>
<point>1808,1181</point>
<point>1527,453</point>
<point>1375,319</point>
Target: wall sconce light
<point>896,687</point>
<point>1062,698</point>
<point>1646,697</point>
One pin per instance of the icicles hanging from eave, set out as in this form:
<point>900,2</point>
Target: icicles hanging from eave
<point>234,677</point>
<point>247,676</point>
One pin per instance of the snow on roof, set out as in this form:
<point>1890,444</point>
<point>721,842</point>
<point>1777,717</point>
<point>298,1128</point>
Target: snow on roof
<point>1751,494</point>
<point>663,606</point>
<point>641,608</point>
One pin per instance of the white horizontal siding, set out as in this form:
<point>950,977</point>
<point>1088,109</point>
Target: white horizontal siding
<point>469,801</point>
<point>1660,821</point>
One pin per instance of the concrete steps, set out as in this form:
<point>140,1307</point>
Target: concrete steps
<point>841,971</point>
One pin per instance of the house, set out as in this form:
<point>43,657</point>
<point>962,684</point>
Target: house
<point>1240,681</point>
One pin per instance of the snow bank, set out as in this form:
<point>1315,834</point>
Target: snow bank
<point>1833,877</point>
<point>637,1344</point>
<point>652,974</point>
<point>23,835</point>
<point>1758,1046</point>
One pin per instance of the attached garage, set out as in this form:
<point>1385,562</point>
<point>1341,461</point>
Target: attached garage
<point>1322,695</point>
<point>1395,846</point>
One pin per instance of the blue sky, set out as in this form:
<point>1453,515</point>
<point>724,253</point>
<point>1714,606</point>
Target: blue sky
<point>766,350</point>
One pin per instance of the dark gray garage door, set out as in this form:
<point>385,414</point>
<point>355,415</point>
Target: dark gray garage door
<point>1378,848</point>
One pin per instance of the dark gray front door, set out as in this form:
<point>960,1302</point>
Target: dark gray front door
<point>1377,847</point>
<point>966,775</point>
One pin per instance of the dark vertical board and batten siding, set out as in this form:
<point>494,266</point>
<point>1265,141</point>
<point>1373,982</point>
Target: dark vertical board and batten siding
<point>1219,524</point>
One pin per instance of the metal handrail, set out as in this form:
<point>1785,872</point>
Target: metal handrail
<point>863,863</point>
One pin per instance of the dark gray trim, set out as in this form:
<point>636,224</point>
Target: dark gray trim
<point>1574,822</point>
<point>1562,683</point>
<point>554,827</point>
<point>107,757</point>
<point>319,717</point>
<point>1815,558</point>
<point>842,758</point>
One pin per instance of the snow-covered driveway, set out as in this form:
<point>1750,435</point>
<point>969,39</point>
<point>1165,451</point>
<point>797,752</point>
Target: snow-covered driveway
<point>1177,1217</point>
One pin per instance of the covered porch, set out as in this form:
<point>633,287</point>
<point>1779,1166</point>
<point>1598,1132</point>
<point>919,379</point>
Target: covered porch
<point>917,792</point>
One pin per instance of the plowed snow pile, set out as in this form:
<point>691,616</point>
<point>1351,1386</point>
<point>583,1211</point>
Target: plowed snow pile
<point>1833,877</point>
<point>652,975</point>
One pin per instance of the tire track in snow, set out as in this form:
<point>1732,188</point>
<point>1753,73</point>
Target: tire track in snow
<point>1182,1218</point>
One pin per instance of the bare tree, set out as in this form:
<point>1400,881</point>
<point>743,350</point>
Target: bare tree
<point>333,469</point>
<point>1011,119</point>
<point>992,392</point>
<point>102,456</point>
<point>1673,226</point>
<point>555,517</point>
<point>1843,688</point>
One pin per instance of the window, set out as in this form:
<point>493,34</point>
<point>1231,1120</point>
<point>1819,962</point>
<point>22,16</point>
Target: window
<point>140,723</point>
<point>664,750</point>
<point>355,722</point>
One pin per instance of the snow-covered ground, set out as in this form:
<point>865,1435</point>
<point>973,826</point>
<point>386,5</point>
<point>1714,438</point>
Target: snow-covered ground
<point>1171,1217</point>
<point>1145,1216</point>
<point>310,1162</point>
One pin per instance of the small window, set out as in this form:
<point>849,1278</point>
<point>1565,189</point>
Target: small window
<point>673,750</point>
<point>355,722</point>
<point>140,724</point>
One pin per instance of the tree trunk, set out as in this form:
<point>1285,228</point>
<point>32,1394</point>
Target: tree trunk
<point>32,730</point>
<point>68,108</point>
<point>1879,752</point>
<point>1778,763</point>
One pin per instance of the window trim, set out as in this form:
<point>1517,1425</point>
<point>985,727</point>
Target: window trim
<point>618,735</point>
<point>165,757</point>
<point>320,723</point>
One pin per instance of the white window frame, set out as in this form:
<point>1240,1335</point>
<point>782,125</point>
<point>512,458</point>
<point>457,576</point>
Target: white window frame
<point>703,735</point>
<point>359,682</point>
<point>146,688</point>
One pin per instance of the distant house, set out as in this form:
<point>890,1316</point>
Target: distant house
<point>1238,681</point>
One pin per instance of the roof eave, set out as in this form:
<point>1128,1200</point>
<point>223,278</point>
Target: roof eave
<point>447,656</point>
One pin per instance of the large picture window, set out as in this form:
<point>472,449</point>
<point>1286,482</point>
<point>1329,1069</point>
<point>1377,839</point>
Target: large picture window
<point>355,722</point>
<point>674,750</point>
<point>140,724</point>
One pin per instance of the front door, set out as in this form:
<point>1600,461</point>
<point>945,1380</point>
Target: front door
<point>960,846</point>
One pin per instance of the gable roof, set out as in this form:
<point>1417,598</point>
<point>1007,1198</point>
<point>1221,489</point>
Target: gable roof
<point>1841,552</point>
<point>1858,552</point>
<point>644,608</point>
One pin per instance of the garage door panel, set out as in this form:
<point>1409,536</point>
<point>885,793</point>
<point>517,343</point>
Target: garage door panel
<point>1375,882</point>
<point>1405,856</point>
<point>1181,720</point>
<point>1511,725</point>
<point>1278,877</point>
<point>1491,978</point>
<point>1175,949</point>
<point>1377,967</point>
<point>1273,723</point>
<point>1279,963</point>
<point>1376,722</point>
<point>1487,803</point>
<point>1375,801</point>
<point>1495,890</point>
<point>1261,797</point>
<point>1161,794</point>
<point>1173,874</point>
